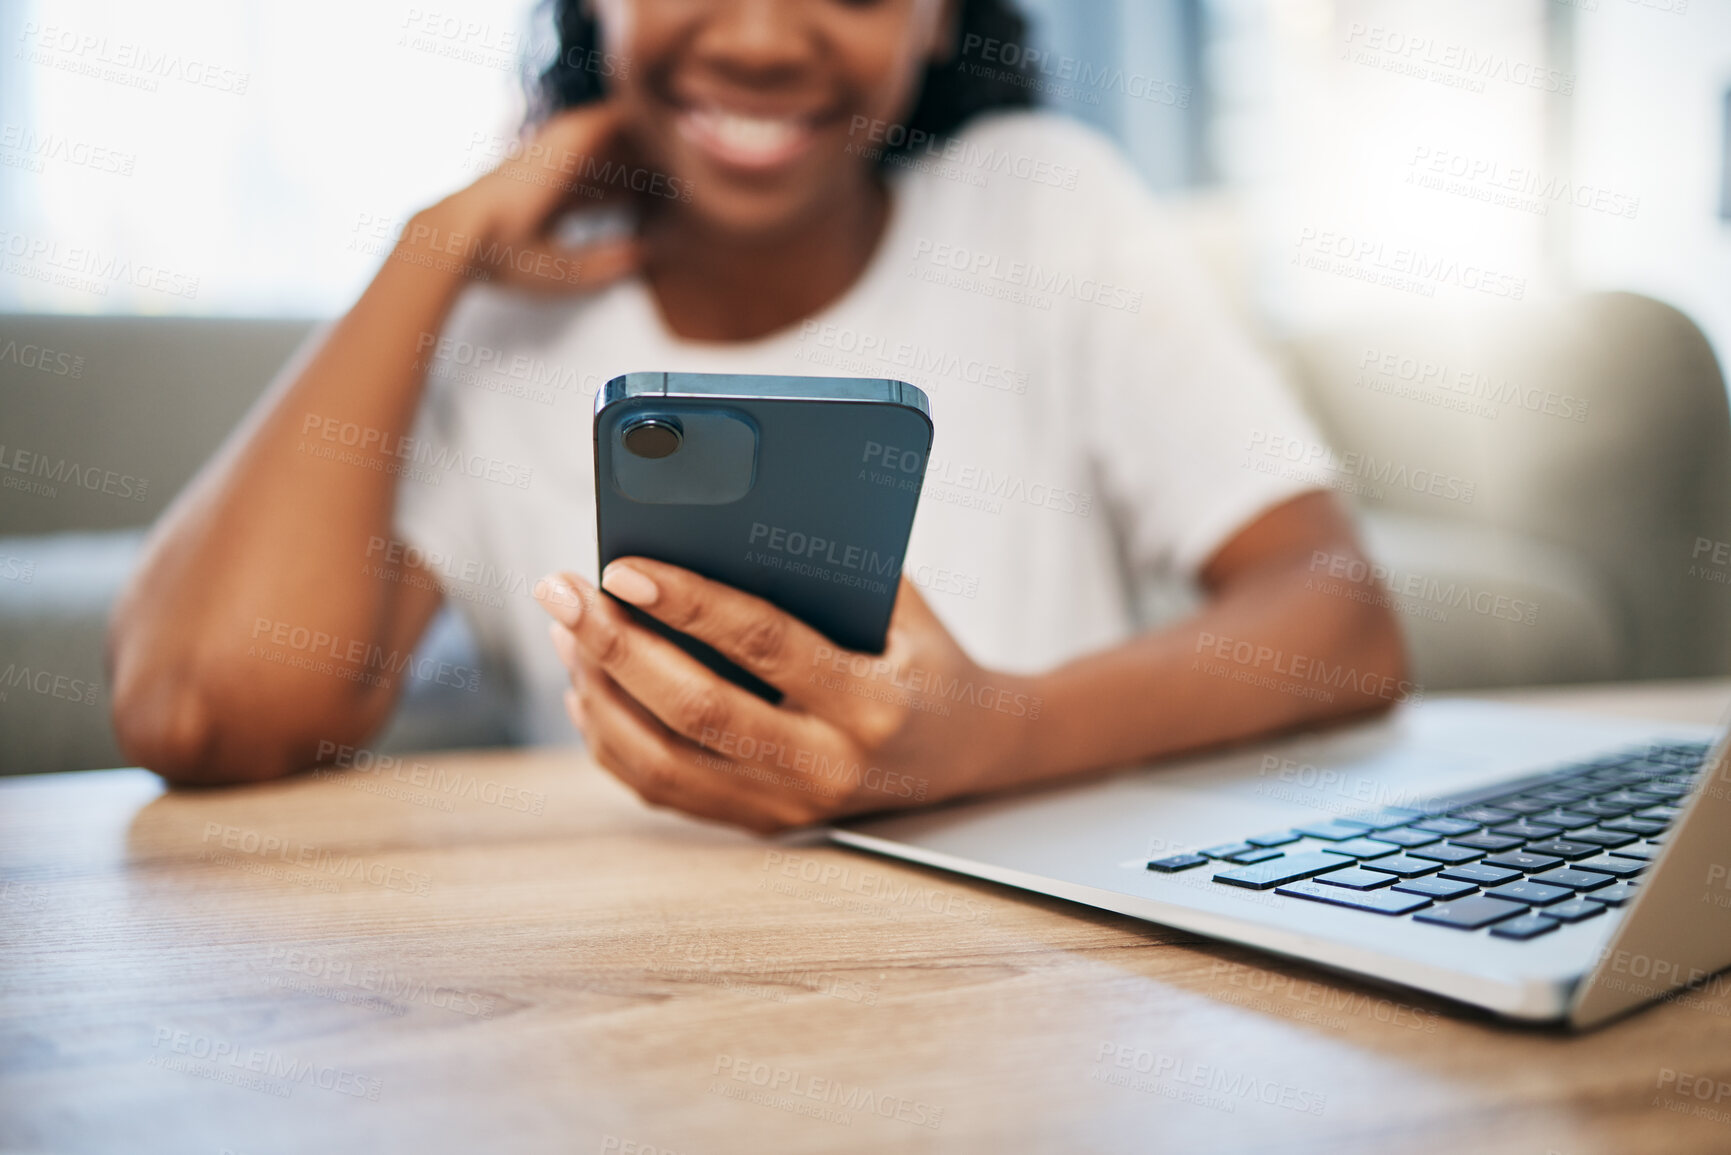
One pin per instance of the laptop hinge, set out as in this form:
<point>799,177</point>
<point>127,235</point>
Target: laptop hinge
<point>1677,933</point>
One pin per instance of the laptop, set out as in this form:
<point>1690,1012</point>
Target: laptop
<point>1545,867</point>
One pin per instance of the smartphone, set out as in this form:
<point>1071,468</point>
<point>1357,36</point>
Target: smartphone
<point>800,490</point>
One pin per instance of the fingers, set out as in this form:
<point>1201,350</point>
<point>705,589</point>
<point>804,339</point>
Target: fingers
<point>566,647</point>
<point>681,692</point>
<point>558,149</point>
<point>533,186</point>
<point>665,770</point>
<point>584,128</point>
<point>752,633</point>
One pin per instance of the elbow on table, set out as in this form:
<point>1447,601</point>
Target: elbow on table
<point>184,727</point>
<point>1385,669</point>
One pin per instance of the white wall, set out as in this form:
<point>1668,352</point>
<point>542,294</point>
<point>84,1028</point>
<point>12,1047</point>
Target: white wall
<point>1341,124</point>
<point>1649,118</point>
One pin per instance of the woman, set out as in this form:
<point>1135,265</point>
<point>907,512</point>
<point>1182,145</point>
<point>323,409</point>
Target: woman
<point>1098,427</point>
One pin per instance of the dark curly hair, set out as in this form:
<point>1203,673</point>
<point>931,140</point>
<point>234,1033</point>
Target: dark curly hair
<point>951,92</point>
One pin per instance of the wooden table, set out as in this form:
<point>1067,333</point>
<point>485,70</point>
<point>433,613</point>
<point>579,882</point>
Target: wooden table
<point>505,952</point>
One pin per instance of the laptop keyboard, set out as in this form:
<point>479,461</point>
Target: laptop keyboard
<point>1517,860</point>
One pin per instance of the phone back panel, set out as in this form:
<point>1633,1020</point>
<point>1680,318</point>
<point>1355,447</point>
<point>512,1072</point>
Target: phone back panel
<point>816,522</point>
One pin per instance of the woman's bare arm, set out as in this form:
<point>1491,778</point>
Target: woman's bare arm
<point>254,629</point>
<point>1293,633</point>
<point>1282,642</point>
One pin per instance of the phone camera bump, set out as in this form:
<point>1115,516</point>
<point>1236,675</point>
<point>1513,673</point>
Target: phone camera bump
<point>652,437</point>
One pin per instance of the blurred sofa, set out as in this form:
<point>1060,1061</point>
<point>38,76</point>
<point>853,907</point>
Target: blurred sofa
<point>1535,481</point>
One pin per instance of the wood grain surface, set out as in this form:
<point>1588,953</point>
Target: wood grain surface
<point>505,951</point>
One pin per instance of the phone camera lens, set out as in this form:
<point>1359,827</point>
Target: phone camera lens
<point>652,437</point>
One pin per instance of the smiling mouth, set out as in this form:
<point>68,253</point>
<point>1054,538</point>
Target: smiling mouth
<point>746,141</point>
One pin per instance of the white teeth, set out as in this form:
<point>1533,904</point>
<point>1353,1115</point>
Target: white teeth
<point>750,138</point>
<point>755,133</point>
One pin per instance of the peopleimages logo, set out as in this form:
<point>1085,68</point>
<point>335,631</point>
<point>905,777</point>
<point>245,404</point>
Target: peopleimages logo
<point>798,1091</point>
<point>1245,661</point>
<point>42,359</point>
<point>264,1061</point>
<point>47,683</point>
<point>1454,65</point>
<point>1396,266</point>
<point>367,439</point>
<point>1016,280</point>
<point>53,472</point>
<point>337,864</point>
<point>812,547</point>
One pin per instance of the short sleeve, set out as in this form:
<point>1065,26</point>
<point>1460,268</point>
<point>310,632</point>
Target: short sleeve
<point>1177,396</point>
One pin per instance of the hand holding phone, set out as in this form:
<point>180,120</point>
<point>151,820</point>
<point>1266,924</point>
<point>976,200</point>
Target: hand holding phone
<point>761,660</point>
<point>853,732</point>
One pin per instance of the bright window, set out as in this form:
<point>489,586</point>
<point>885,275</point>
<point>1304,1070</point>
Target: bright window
<point>209,156</point>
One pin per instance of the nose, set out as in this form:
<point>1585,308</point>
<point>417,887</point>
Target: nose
<point>759,40</point>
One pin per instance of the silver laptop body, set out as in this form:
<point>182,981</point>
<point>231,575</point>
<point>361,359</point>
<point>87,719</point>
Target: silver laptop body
<point>1092,843</point>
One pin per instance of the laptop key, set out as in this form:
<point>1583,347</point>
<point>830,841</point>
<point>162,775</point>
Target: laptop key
<point>1446,853</point>
<point>1525,927</point>
<point>1439,888</point>
<point>1407,836</point>
<point>1260,854</point>
<point>1642,853</point>
<point>1641,826</point>
<point>1526,828</point>
<point>1536,893</point>
<point>1575,910</point>
<point>1486,841</point>
<point>1609,839</point>
<point>1386,817</point>
<point>1574,879</point>
<point>1521,804</point>
<point>1567,819</point>
<point>1442,824</point>
<point>1618,895</point>
<point>1479,874</point>
<point>1635,799</point>
<point>1355,878</point>
<point>1563,848</point>
<point>1228,850</point>
<point>1377,901</point>
<point>1332,831</point>
<point>1470,913</point>
<point>1362,848</point>
<point>1482,814</point>
<point>1601,809</point>
<point>1606,864</point>
<point>1276,872</point>
<point>1403,867</point>
<point>1525,861</point>
<point>1176,862</point>
<point>1273,838</point>
<point>1562,795</point>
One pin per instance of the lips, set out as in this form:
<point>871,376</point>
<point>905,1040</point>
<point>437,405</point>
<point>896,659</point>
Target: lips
<point>751,141</point>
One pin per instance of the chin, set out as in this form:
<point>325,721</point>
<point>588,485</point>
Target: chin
<point>750,214</point>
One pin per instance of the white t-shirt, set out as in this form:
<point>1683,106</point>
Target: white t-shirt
<point>1094,409</point>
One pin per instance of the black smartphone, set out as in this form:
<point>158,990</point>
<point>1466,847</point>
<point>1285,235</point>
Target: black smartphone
<point>800,490</point>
